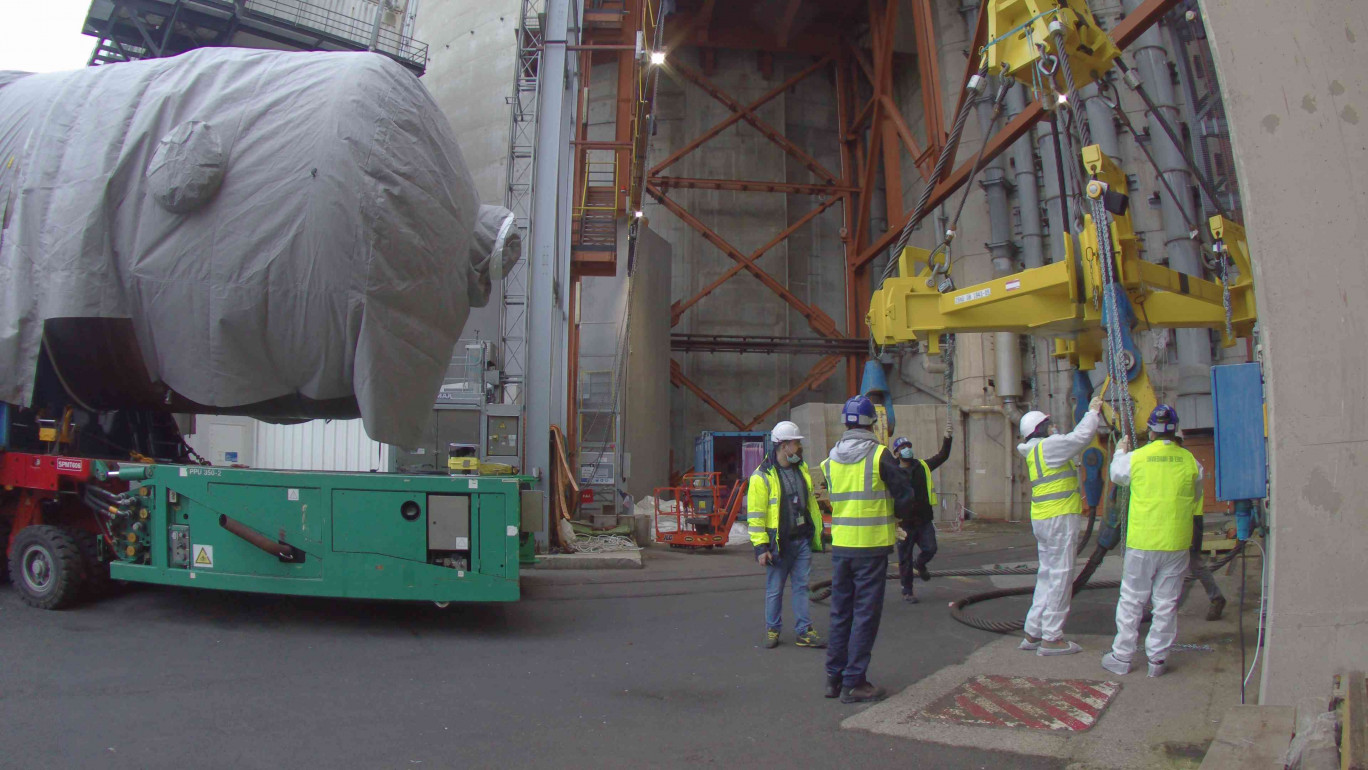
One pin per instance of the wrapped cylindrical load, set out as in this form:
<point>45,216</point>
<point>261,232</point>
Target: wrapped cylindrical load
<point>287,235</point>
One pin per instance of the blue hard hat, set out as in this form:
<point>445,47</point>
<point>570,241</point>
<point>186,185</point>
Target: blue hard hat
<point>900,442</point>
<point>858,411</point>
<point>1164,419</point>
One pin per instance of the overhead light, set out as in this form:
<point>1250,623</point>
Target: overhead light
<point>638,215</point>
<point>657,58</point>
<point>1063,98</point>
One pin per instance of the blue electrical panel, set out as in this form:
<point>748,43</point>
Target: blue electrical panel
<point>1241,442</point>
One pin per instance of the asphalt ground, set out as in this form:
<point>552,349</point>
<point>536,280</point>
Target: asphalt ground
<point>659,667</point>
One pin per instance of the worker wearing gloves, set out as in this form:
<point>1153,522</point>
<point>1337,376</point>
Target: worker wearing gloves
<point>866,487</point>
<point>1165,483</point>
<point>918,521</point>
<point>785,527</point>
<point>1056,518</point>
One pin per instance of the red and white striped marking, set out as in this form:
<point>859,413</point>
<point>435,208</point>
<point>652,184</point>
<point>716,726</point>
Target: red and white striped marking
<point>1022,701</point>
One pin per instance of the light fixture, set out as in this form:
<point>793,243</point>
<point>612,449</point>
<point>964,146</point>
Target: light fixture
<point>1063,98</point>
<point>638,215</point>
<point>657,58</point>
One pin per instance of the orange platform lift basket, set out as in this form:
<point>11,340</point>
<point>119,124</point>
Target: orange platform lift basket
<point>702,517</point>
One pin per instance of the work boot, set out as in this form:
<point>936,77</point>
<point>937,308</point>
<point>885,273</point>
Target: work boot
<point>1147,616</point>
<point>923,573</point>
<point>1115,664</point>
<point>862,693</point>
<point>1216,608</point>
<point>833,687</point>
<point>910,599</point>
<point>1059,647</point>
<point>1157,668</point>
<point>809,638</point>
<point>1029,643</point>
<point>771,639</point>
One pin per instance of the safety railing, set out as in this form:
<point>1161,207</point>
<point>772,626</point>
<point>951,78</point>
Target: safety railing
<point>317,18</point>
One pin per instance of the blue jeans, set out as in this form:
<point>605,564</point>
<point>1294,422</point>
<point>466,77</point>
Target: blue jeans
<point>857,596</point>
<point>794,565</point>
<point>923,537</point>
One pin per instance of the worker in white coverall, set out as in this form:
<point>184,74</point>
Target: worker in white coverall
<point>1165,483</point>
<point>1056,520</point>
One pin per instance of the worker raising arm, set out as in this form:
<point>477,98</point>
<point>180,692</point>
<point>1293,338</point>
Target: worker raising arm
<point>918,520</point>
<point>785,527</point>
<point>1056,519</point>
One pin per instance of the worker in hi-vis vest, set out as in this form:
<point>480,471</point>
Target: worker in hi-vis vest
<point>866,487</point>
<point>785,526</point>
<point>1056,519</point>
<point>1165,483</point>
<point>917,524</point>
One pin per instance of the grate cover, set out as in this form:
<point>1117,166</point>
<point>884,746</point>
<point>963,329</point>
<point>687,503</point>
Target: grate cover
<point>1072,705</point>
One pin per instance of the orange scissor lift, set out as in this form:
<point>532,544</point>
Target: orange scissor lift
<point>703,511</point>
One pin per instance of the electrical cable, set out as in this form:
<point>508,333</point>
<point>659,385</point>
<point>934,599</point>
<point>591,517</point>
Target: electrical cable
<point>1244,567</point>
<point>1263,594</point>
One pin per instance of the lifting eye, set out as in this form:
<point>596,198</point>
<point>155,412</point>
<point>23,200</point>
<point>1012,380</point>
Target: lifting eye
<point>410,510</point>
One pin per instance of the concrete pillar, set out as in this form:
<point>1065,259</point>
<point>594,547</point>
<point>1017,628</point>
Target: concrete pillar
<point>1296,95</point>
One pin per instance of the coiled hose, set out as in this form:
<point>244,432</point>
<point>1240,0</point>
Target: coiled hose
<point>822,590</point>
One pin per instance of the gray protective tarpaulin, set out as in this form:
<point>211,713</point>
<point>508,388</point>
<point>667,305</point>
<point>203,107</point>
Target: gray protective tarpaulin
<point>274,224</point>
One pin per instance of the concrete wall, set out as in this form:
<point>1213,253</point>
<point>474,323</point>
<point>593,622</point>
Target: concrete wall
<point>1297,102</point>
<point>646,413</point>
<point>472,55</point>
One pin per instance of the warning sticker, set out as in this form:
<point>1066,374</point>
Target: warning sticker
<point>204,556</point>
<point>292,495</point>
<point>1013,285</point>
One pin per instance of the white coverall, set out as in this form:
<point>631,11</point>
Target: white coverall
<point>1148,576</point>
<point>1056,538</point>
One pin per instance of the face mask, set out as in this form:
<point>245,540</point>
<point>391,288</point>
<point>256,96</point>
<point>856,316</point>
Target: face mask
<point>794,459</point>
<point>905,453</point>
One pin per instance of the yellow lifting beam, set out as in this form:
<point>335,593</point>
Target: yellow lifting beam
<point>1058,300</point>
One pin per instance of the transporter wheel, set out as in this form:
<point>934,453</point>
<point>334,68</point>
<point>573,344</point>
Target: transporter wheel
<point>97,582</point>
<point>4,543</point>
<point>46,567</point>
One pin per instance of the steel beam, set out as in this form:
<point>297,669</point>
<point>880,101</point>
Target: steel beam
<point>820,373</point>
<point>735,343</point>
<point>549,248</point>
<point>819,321</point>
<point>736,116</point>
<point>677,310</point>
<point>678,379</point>
<point>748,114</point>
<point>1123,34</point>
<point>747,185</point>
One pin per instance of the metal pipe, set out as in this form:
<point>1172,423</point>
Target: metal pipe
<point>1183,252</point>
<point>279,549</point>
<point>375,28</point>
<point>994,184</point>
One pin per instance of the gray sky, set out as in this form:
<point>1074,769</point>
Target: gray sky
<point>44,35</point>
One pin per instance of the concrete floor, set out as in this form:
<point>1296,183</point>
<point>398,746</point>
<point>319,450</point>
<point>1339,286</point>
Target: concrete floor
<point>651,668</point>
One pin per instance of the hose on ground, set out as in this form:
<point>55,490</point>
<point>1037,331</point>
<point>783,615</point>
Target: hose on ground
<point>1008,626</point>
<point>821,590</point>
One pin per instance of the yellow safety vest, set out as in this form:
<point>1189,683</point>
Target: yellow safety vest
<point>762,506</point>
<point>930,484</point>
<point>861,506</point>
<point>1165,495</point>
<point>1054,491</point>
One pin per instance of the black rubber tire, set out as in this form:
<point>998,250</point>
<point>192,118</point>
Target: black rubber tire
<point>4,543</point>
<point>97,582</point>
<point>64,566</point>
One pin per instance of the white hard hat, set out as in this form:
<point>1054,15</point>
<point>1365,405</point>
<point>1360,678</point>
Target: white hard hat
<point>786,431</point>
<point>1030,421</point>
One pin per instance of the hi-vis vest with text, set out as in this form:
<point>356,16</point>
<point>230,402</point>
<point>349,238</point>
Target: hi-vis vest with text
<point>1165,493</point>
<point>1054,491</point>
<point>861,505</point>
